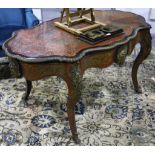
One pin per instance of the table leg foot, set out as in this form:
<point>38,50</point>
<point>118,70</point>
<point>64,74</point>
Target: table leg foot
<point>138,90</point>
<point>72,123</point>
<point>76,139</point>
<point>25,103</point>
<point>28,89</point>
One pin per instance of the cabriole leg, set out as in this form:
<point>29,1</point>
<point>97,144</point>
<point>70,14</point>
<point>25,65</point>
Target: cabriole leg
<point>146,45</point>
<point>74,92</point>
<point>28,89</point>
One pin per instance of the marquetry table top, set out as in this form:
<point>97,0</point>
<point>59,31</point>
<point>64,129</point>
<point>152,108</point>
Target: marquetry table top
<point>47,42</point>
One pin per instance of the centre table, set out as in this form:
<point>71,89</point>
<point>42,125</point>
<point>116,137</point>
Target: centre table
<point>47,50</point>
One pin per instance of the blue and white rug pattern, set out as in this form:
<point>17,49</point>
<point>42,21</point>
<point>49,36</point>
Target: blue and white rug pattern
<point>108,113</point>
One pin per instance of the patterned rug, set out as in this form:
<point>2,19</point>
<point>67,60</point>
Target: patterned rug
<point>108,113</point>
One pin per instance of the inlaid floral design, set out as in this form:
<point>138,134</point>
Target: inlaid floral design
<point>43,121</point>
<point>34,140</point>
<point>138,114</point>
<point>140,135</point>
<point>11,100</point>
<point>10,137</point>
<point>117,111</point>
<point>92,127</point>
<point>79,108</point>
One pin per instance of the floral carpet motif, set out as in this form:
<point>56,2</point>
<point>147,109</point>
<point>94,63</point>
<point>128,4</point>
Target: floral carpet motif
<point>109,112</point>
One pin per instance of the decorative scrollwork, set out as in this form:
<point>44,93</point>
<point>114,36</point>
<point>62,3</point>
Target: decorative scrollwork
<point>121,55</point>
<point>77,79</point>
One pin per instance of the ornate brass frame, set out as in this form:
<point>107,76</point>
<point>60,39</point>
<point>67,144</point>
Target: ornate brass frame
<point>80,18</point>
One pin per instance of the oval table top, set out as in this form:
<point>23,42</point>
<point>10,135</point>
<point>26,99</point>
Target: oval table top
<point>46,42</point>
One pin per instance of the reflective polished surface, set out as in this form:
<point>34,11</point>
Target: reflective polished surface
<point>46,40</point>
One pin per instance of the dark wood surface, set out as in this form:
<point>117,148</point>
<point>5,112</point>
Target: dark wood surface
<point>47,40</point>
<point>49,51</point>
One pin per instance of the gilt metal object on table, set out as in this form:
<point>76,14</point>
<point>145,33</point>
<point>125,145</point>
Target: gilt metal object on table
<point>87,29</point>
<point>50,51</point>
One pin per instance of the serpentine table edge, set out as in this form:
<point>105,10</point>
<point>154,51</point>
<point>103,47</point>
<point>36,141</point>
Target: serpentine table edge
<point>72,69</point>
